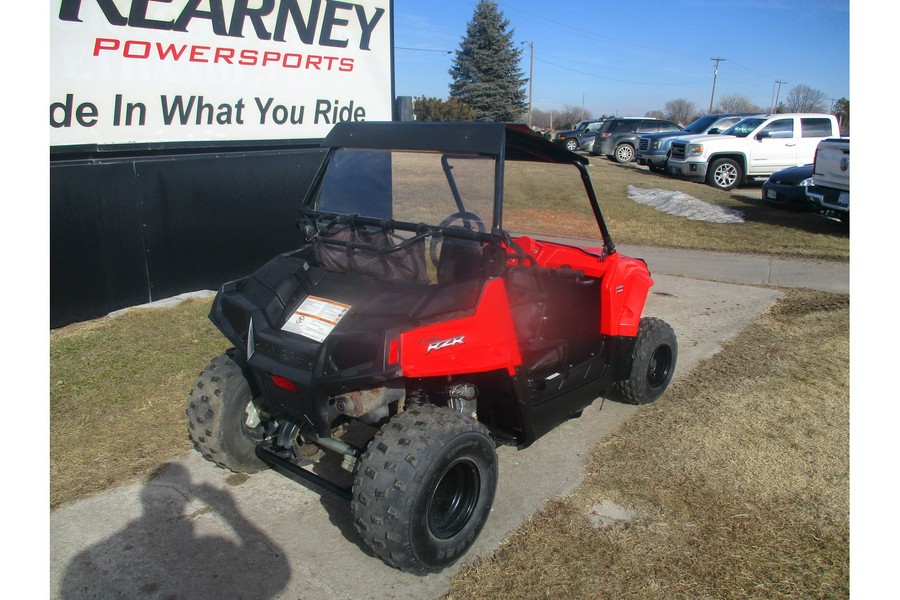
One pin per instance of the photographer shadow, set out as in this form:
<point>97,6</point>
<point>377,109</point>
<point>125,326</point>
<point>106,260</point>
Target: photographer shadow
<point>176,549</point>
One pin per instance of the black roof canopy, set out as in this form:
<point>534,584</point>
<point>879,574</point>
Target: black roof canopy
<point>515,141</point>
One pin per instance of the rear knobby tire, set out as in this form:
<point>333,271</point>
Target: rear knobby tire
<point>653,362</point>
<point>423,489</point>
<point>217,416</point>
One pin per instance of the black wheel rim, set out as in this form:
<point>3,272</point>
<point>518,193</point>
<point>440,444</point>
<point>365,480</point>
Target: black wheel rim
<point>453,499</point>
<point>659,366</point>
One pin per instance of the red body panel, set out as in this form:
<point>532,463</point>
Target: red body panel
<point>486,341</point>
<point>625,281</point>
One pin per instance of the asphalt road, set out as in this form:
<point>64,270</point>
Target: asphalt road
<point>196,531</point>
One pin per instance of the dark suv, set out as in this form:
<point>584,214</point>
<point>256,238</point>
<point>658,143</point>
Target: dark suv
<point>584,132</point>
<point>618,137</point>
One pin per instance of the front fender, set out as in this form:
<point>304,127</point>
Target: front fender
<point>624,293</point>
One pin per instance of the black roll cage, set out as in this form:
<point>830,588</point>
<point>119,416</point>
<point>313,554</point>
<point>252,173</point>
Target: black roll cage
<point>500,141</point>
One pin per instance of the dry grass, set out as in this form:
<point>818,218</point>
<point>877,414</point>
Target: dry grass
<point>740,475</point>
<point>118,389</point>
<point>563,211</point>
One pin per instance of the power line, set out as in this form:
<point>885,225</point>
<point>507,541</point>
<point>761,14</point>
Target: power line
<point>559,66</point>
<point>423,50</point>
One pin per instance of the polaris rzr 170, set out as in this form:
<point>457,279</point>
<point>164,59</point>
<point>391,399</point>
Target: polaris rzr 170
<point>411,334</point>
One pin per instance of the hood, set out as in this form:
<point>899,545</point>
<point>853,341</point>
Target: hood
<point>704,137</point>
<point>665,134</point>
<point>792,174</point>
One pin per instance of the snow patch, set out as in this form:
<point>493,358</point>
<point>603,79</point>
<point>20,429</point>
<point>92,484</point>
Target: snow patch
<point>683,205</point>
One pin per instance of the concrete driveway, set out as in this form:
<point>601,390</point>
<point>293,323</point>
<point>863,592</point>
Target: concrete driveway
<point>196,531</point>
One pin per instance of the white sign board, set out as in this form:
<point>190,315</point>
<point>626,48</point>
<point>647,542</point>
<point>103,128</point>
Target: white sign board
<point>151,71</point>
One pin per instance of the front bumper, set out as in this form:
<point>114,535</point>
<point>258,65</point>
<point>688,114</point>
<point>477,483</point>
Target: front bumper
<point>687,169</point>
<point>650,158</point>
<point>787,195</point>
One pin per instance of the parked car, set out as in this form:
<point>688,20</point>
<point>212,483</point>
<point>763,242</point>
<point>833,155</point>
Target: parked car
<point>753,148</point>
<point>787,188</point>
<point>572,139</point>
<point>653,148</point>
<point>830,186</point>
<point>618,137</point>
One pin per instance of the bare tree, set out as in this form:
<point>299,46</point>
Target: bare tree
<point>803,98</point>
<point>655,114</point>
<point>680,110</point>
<point>569,116</point>
<point>738,103</point>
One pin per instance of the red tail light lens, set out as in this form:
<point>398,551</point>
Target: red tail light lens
<point>393,352</point>
<point>283,383</point>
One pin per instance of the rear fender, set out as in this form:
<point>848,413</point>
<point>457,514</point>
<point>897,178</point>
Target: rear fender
<point>485,341</point>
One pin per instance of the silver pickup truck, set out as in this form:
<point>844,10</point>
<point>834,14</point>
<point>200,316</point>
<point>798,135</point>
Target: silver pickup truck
<point>830,189</point>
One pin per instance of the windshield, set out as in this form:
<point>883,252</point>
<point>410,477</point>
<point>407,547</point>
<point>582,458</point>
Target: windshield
<point>410,187</point>
<point>744,128</point>
<point>700,125</point>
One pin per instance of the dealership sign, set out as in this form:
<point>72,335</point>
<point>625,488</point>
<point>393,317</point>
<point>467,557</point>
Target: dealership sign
<point>153,71</point>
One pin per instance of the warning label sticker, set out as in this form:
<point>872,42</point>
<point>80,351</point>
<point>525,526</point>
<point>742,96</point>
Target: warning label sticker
<point>315,318</point>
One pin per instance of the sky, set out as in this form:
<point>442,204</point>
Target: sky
<point>628,58</point>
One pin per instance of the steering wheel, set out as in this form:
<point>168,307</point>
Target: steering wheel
<point>467,218</point>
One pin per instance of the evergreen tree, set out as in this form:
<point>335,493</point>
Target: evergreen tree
<point>485,72</point>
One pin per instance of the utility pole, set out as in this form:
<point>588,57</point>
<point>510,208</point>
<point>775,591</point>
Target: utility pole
<point>530,81</point>
<point>775,97</point>
<point>835,112</point>
<point>715,76</point>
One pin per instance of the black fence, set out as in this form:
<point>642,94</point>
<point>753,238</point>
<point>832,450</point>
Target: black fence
<point>130,229</point>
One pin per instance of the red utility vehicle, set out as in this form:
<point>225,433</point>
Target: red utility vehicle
<point>411,334</point>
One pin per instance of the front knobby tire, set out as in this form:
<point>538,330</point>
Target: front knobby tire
<point>653,362</point>
<point>424,487</point>
<point>217,412</point>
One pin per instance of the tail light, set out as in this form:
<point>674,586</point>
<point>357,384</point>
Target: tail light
<point>393,351</point>
<point>283,382</point>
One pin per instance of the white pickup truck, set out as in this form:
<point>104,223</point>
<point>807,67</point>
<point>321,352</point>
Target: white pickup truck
<point>830,189</point>
<point>753,148</point>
